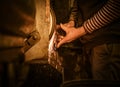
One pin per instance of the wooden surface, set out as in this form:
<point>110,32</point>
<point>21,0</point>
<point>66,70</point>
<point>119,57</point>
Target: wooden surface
<point>40,50</point>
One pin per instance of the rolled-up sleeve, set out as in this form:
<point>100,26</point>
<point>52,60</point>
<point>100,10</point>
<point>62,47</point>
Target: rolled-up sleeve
<point>107,14</point>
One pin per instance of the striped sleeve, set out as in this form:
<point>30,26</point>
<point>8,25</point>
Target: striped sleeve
<point>107,14</point>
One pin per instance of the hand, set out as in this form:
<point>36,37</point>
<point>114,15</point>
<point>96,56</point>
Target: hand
<point>72,33</point>
<point>60,32</point>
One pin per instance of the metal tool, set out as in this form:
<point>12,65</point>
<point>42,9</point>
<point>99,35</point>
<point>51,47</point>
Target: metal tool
<point>53,57</point>
<point>32,39</point>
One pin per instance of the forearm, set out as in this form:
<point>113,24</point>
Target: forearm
<point>106,15</point>
<point>80,31</point>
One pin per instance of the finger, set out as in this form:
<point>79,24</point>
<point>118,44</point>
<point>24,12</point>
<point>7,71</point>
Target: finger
<point>61,42</point>
<point>63,27</point>
<point>60,38</point>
